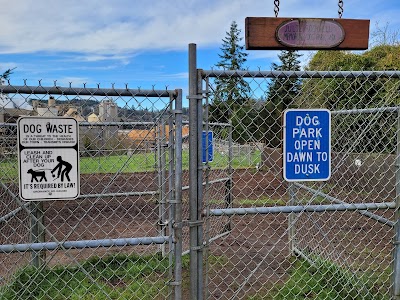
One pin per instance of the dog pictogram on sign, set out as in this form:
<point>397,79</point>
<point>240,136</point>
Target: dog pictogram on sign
<point>48,158</point>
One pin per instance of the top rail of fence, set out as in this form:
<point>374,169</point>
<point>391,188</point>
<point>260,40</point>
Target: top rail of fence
<point>391,109</point>
<point>58,90</point>
<point>301,74</point>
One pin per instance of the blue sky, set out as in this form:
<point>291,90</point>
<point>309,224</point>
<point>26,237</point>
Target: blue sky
<point>143,42</point>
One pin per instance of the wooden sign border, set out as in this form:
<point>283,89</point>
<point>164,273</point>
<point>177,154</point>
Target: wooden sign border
<point>261,34</point>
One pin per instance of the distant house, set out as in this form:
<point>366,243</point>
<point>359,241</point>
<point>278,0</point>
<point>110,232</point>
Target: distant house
<point>11,115</point>
<point>8,129</point>
<point>146,139</point>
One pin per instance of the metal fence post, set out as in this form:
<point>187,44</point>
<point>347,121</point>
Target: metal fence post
<point>206,198</point>
<point>171,170</point>
<point>161,181</point>
<point>229,183</point>
<point>171,191</point>
<point>37,232</point>
<point>291,219</point>
<point>199,189</point>
<point>193,163</point>
<point>396,251</point>
<point>178,196</point>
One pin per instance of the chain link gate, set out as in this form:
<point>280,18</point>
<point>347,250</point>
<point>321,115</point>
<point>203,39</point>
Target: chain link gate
<point>117,239</point>
<point>321,240</point>
<point>250,235</point>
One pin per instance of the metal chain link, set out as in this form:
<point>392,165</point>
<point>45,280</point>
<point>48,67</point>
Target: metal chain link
<point>340,11</point>
<point>363,139</point>
<point>276,8</point>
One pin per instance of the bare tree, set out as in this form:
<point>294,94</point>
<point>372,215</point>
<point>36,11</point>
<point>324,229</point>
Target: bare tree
<point>383,35</point>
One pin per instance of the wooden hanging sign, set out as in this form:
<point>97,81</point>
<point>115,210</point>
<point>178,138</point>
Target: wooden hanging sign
<point>306,34</point>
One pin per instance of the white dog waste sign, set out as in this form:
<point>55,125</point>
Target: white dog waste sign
<point>48,159</point>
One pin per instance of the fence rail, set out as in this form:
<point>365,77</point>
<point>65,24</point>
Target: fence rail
<point>300,209</point>
<point>344,227</point>
<point>126,197</point>
<point>148,199</point>
<point>83,244</point>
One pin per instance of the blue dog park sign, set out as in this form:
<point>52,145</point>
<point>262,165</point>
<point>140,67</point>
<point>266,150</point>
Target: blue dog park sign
<point>207,146</point>
<point>307,145</point>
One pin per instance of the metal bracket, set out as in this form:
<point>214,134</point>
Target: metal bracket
<point>175,283</point>
<point>198,97</point>
<point>195,223</point>
<point>182,224</point>
<point>197,248</point>
<point>174,201</point>
<point>187,223</point>
<point>162,224</point>
<point>177,111</point>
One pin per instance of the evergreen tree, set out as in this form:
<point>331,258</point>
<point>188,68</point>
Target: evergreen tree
<point>379,131</point>
<point>230,92</point>
<point>282,92</point>
<point>6,75</point>
<point>4,98</point>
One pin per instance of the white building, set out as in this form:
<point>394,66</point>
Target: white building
<point>108,111</point>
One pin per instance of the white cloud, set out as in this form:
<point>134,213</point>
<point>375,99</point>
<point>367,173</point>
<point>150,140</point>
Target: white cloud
<point>73,81</point>
<point>95,41</point>
<point>262,54</point>
<point>123,26</point>
<point>182,75</point>
<point>125,59</point>
<point>8,65</point>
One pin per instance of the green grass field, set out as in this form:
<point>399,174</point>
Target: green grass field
<point>324,281</point>
<point>123,276</point>
<point>115,277</point>
<point>142,162</point>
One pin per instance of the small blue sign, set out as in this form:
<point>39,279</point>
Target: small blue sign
<point>307,145</point>
<point>207,147</point>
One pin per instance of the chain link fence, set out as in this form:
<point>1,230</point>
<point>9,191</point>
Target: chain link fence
<point>154,188</point>
<point>305,240</point>
<point>116,239</point>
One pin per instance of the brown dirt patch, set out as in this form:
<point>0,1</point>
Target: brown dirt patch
<point>252,257</point>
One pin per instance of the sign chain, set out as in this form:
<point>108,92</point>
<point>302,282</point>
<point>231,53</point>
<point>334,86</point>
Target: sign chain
<point>276,8</point>
<point>340,5</point>
<point>340,11</point>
